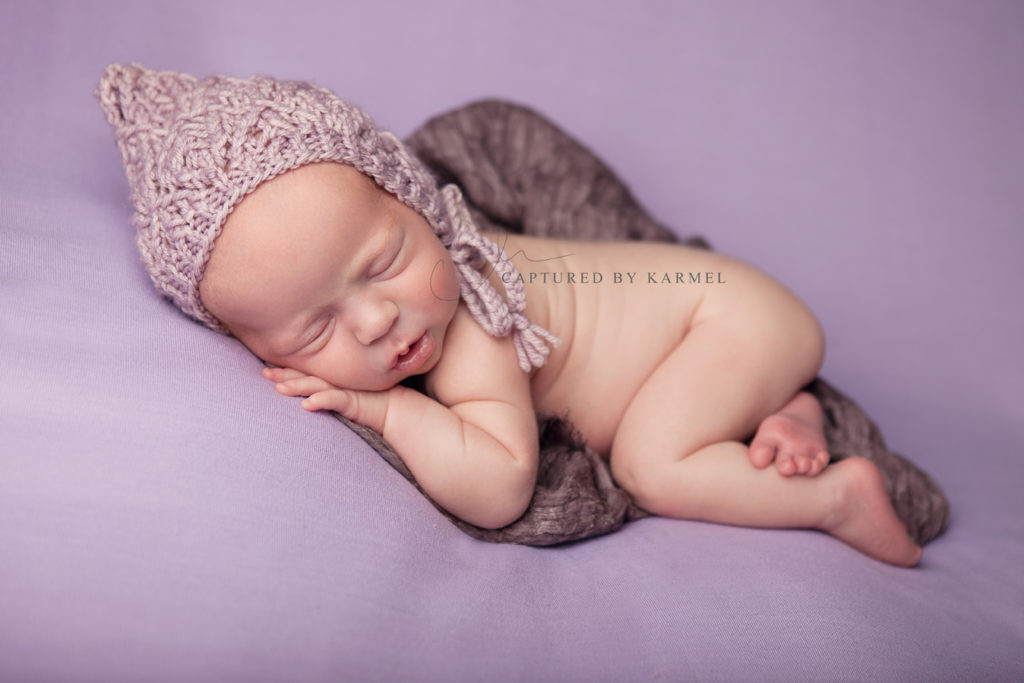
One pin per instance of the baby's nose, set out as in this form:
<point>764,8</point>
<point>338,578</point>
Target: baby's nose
<point>374,318</point>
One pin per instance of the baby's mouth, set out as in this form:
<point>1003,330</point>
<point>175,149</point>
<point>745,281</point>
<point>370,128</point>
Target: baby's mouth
<point>416,355</point>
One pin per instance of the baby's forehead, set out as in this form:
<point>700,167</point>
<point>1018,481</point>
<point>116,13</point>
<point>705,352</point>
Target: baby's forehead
<point>320,180</point>
<point>315,193</point>
<point>291,222</point>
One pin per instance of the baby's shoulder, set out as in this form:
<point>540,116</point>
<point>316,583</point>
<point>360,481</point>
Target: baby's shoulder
<point>474,364</point>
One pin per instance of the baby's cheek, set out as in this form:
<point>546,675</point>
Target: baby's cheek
<point>443,280</point>
<point>352,368</point>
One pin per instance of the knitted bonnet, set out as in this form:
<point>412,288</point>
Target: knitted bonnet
<point>194,149</point>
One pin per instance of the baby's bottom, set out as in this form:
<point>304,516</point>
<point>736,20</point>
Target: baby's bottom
<point>678,449</point>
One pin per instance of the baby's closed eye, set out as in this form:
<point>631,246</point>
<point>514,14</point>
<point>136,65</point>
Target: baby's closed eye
<point>320,333</point>
<point>389,262</point>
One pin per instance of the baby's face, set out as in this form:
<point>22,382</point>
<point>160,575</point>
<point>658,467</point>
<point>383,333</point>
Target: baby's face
<point>322,271</point>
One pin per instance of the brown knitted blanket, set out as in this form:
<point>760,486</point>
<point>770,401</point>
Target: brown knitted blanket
<point>521,173</point>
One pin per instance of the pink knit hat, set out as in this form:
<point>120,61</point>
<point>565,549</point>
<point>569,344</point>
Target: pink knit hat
<point>194,149</point>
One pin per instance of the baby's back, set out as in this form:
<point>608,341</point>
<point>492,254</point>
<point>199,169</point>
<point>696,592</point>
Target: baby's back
<point>619,308</point>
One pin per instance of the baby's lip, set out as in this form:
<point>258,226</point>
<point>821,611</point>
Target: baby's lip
<point>404,348</point>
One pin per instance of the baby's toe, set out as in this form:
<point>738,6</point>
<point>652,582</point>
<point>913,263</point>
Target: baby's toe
<point>805,464</point>
<point>819,462</point>
<point>761,452</point>
<point>785,464</point>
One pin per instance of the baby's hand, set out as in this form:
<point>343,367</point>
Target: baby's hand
<point>365,407</point>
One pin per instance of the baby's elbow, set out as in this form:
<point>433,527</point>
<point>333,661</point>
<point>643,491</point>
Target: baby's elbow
<point>505,506</point>
<point>500,515</point>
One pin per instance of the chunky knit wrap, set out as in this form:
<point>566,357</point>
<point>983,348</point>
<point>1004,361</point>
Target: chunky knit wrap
<point>194,149</point>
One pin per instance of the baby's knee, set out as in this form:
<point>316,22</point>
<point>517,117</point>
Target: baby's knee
<point>813,341</point>
<point>802,339</point>
<point>791,347</point>
<point>640,477</point>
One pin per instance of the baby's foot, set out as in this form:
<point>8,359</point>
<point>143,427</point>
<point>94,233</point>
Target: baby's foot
<point>863,516</point>
<point>792,438</point>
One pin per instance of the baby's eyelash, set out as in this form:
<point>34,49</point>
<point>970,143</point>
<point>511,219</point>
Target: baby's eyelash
<point>381,268</point>
<point>389,262</point>
<point>321,332</point>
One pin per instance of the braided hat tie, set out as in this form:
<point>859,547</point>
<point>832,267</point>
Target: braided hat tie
<point>494,315</point>
<point>194,149</point>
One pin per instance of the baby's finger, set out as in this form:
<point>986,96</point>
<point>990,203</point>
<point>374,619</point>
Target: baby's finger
<point>281,374</point>
<point>338,400</point>
<point>365,407</point>
<point>304,385</point>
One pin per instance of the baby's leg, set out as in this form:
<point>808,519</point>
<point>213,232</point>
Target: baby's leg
<point>677,449</point>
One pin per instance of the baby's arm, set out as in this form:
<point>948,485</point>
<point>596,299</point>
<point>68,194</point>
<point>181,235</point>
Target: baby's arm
<point>474,448</point>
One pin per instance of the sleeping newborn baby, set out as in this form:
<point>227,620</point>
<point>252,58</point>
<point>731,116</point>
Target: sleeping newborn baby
<point>278,213</point>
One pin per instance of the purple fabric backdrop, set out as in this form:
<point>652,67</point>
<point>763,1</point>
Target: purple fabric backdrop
<point>164,515</point>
